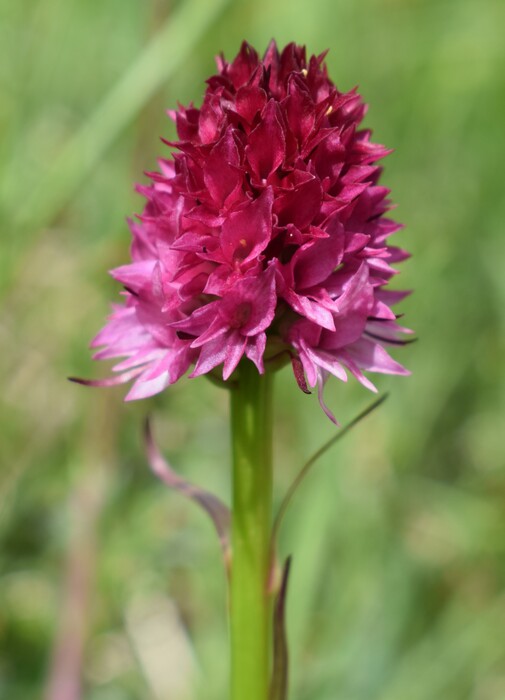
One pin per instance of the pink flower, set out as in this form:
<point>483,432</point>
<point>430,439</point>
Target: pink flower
<point>264,236</point>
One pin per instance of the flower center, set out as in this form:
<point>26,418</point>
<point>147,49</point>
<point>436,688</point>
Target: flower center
<point>240,315</point>
<point>242,251</point>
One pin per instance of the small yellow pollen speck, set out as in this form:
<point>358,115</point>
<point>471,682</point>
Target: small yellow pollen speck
<point>243,242</point>
<point>305,72</point>
<point>329,110</point>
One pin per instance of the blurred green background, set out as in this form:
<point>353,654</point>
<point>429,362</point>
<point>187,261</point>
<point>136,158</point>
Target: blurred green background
<point>398,583</point>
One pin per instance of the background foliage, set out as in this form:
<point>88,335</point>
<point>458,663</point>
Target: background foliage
<point>398,583</point>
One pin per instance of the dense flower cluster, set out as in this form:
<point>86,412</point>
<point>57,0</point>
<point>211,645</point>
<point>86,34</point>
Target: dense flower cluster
<point>263,236</point>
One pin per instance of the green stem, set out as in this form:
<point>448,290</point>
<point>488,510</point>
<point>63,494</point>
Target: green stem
<point>250,626</point>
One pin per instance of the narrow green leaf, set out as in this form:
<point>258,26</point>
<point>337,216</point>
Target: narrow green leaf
<point>279,684</point>
<point>218,512</point>
<point>310,463</point>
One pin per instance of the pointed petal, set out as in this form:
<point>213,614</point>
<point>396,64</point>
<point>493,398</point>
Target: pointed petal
<point>372,357</point>
<point>321,381</point>
<point>109,381</point>
<point>221,174</point>
<point>143,388</point>
<point>136,276</point>
<point>300,205</point>
<point>246,233</point>
<point>250,305</point>
<point>267,146</point>
<point>249,101</point>
<point>355,371</point>
<point>327,361</point>
<point>235,345</point>
<point>310,309</point>
<point>255,350</point>
<point>314,262</point>
<point>211,355</point>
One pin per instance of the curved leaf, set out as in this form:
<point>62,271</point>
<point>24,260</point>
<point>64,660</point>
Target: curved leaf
<point>218,512</point>
<point>279,684</point>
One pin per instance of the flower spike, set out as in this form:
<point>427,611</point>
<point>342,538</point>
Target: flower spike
<point>265,231</point>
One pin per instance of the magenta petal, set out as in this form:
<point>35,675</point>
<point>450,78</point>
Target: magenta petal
<point>109,381</point>
<point>372,357</point>
<point>136,275</point>
<point>121,335</point>
<point>299,108</point>
<point>328,362</point>
<point>310,368</point>
<point>382,311</point>
<point>322,378</point>
<point>199,321</point>
<point>357,295</point>
<point>391,296</point>
<point>211,355</point>
<point>390,331</point>
<point>215,329</point>
<point>250,304</point>
<point>347,330</point>
<point>235,346</point>
<point>355,371</point>
<point>246,233</point>
<point>381,266</point>
<point>221,177</point>
<point>255,350</point>
<point>160,367</point>
<point>266,149</point>
<point>355,242</point>
<point>243,66</point>
<point>396,255</point>
<point>314,262</point>
<point>249,101</point>
<point>144,356</point>
<point>300,205</point>
<point>142,389</point>
<point>300,335</point>
<point>310,309</point>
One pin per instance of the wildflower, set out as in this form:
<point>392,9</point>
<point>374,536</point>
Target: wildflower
<point>264,236</point>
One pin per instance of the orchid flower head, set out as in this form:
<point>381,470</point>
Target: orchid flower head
<point>264,235</point>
